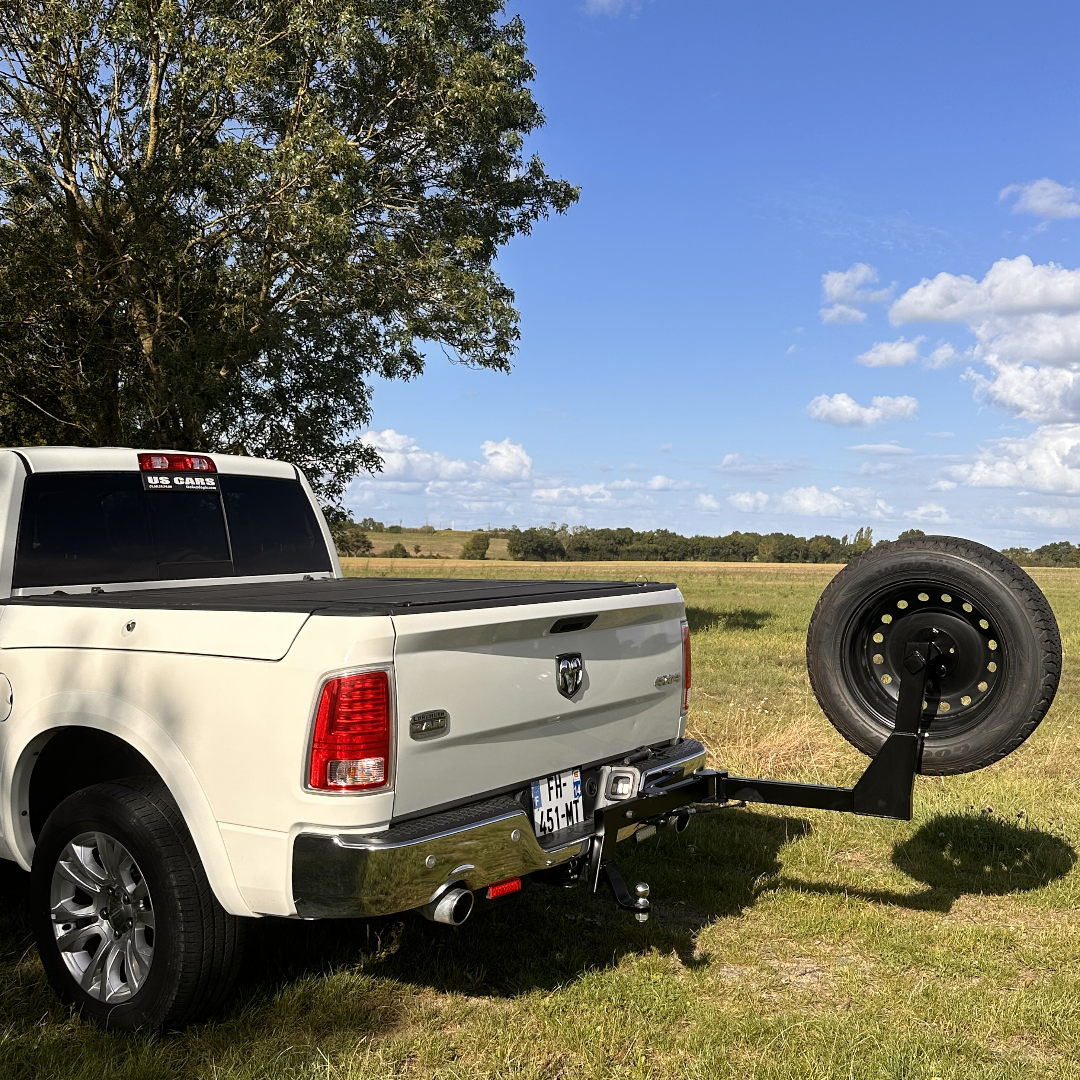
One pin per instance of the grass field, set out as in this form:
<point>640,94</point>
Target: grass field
<point>441,544</point>
<point>783,945</point>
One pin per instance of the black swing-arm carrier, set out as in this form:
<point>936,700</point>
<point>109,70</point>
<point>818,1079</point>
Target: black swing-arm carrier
<point>884,789</point>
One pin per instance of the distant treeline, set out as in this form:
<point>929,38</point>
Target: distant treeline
<point>1060,554</point>
<point>582,544</point>
<point>561,543</point>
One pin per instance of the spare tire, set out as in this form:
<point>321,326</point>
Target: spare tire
<point>1001,637</point>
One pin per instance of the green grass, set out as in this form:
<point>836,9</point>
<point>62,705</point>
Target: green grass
<point>784,944</point>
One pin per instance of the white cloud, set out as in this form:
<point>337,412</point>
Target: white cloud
<point>945,354</point>
<point>809,501</point>
<point>881,448</point>
<point>506,460</point>
<point>1044,198</point>
<point>1010,287</point>
<point>1026,321</point>
<point>932,513</point>
<point>756,465</point>
<point>707,503</point>
<point>838,502</point>
<point>404,459</point>
<point>890,353</point>
<point>841,313</point>
<point>1046,460</point>
<point>750,502</point>
<point>611,7</point>
<point>876,468</point>
<point>569,494</point>
<point>846,286</point>
<point>844,411</point>
<point>942,485</point>
<point>1054,517</point>
<point>843,289</point>
<point>665,483</point>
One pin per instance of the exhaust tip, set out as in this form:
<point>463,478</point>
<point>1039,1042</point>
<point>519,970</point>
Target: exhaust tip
<point>451,908</point>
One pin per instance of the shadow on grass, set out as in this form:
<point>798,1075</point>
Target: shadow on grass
<point>738,619</point>
<point>956,855</point>
<point>546,936</point>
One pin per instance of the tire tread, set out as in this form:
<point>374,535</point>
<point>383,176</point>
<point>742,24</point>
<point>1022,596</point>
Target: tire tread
<point>1016,580</point>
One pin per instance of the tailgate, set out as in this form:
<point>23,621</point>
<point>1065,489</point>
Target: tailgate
<point>493,671</point>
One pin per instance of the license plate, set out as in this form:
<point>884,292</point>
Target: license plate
<point>557,802</point>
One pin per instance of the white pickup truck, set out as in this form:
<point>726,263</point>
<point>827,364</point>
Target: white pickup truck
<point>203,720</point>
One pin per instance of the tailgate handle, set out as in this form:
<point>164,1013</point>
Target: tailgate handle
<point>572,623</point>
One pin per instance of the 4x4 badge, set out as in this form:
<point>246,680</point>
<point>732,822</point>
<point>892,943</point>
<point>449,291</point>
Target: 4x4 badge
<point>569,673</point>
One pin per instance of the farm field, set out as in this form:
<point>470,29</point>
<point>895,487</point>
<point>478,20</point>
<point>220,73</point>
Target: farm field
<point>784,943</point>
<point>440,544</point>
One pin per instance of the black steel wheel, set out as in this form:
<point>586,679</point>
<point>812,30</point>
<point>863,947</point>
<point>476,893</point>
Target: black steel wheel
<point>127,927</point>
<point>996,630</point>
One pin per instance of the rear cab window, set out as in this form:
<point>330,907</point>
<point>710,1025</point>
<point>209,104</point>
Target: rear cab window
<point>84,528</point>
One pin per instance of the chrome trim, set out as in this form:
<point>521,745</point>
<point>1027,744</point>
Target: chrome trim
<point>356,875</point>
<point>347,875</point>
<point>678,769</point>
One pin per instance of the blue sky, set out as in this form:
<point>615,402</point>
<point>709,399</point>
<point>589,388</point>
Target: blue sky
<point>824,273</point>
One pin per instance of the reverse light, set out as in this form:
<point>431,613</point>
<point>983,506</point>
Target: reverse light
<point>685,667</point>
<point>350,747</point>
<point>504,888</point>
<point>621,785</point>
<point>176,463</point>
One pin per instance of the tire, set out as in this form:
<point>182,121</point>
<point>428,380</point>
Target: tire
<point>1005,649</point>
<point>173,953</point>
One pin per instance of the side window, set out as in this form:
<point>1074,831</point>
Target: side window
<point>272,527</point>
<point>78,528</point>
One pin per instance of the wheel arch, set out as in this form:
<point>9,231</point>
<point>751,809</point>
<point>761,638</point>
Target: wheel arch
<point>101,726</point>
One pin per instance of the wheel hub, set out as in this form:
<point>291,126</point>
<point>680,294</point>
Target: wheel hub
<point>102,917</point>
<point>970,653</point>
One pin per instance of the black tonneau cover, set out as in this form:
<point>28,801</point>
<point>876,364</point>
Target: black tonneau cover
<point>351,596</point>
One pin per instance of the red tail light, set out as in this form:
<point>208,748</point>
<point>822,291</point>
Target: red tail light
<point>350,749</point>
<point>685,667</point>
<point>176,463</point>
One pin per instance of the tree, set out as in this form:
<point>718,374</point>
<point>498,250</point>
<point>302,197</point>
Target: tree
<point>909,534</point>
<point>218,220</point>
<point>536,545</point>
<point>476,547</point>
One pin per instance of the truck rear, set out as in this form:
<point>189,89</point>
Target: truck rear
<point>181,655</point>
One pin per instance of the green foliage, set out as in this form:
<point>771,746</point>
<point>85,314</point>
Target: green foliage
<point>582,544</point>
<point>476,547</point>
<point>537,545</point>
<point>350,539</point>
<point>218,221</point>
<point>1061,553</point>
<point>910,534</point>
<point>371,525</point>
<point>398,551</point>
<point>394,529</point>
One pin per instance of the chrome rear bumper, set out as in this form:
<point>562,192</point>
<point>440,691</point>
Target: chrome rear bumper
<point>364,874</point>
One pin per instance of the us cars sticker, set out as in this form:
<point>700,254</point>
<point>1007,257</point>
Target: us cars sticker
<point>178,482</point>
